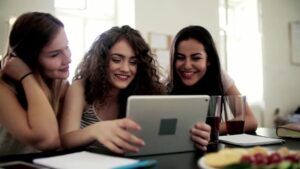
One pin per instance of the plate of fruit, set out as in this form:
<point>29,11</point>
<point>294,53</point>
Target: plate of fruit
<point>251,158</point>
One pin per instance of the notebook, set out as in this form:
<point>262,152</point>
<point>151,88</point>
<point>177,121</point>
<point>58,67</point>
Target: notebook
<point>166,121</point>
<point>246,140</point>
<point>88,160</point>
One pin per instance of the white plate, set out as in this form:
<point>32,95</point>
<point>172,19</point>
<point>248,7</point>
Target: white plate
<point>202,164</point>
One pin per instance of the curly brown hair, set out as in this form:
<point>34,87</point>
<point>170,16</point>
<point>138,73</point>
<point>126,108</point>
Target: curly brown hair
<point>93,68</point>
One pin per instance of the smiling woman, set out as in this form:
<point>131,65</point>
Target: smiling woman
<point>195,69</point>
<point>119,64</point>
<point>33,84</point>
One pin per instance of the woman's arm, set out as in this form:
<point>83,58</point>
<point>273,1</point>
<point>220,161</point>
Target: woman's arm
<point>74,103</point>
<point>112,134</point>
<point>62,94</point>
<point>36,126</point>
<point>250,120</point>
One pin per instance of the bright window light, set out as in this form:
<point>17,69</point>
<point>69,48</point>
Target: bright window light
<point>85,20</point>
<point>241,42</point>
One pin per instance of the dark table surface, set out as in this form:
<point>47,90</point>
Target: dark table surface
<point>186,160</point>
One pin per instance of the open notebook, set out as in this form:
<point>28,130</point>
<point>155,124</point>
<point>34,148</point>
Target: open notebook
<point>246,140</point>
<point>88,160</point>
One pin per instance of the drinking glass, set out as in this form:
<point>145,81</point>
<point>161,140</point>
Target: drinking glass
<point>234,111</point>
<point>214,117</point>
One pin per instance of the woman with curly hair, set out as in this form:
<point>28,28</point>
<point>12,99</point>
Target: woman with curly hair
<point>119,64</point>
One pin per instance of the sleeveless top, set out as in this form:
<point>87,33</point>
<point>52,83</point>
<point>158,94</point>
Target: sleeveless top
<point>9,145</point>
<point>89,117</point>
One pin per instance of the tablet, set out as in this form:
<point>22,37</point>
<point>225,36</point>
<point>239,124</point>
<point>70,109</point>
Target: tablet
<point>166,121</point>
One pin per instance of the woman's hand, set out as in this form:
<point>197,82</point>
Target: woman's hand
<point>116,136</point>
<point>15,68</point>
<point>201,135</point>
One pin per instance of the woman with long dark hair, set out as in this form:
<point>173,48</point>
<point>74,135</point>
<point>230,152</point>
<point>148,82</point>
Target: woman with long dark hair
<point>196,70</point>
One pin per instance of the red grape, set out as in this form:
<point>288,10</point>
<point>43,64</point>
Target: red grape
<point>260,159</point>
<point>274,158</point>
<point>248,159</point>
<point>292,158</point>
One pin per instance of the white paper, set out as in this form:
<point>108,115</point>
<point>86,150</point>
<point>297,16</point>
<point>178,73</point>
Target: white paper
<point>249,140</point>
<point>84,160</point>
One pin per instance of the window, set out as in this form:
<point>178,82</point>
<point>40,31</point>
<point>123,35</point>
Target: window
<point>85,20</point>
<point>241,46</point>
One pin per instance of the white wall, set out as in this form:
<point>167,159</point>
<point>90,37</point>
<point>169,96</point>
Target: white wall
<point>281,78</point>
<point>13,8</point>
<point>169,16</point>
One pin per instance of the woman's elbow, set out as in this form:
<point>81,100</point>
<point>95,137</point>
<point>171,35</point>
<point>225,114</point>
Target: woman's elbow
<point>47,142</point>
<point>252,125</point>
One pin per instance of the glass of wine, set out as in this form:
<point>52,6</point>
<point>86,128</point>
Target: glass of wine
<point>213,118</point>
<point>234,111</point>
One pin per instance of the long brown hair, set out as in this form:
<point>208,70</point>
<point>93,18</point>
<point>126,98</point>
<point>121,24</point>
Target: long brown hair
<point>93,68</point>
<point>30,33</point>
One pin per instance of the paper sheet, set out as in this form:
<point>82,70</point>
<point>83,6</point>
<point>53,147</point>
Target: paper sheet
<point>84,160</point>
<point>249,140</point>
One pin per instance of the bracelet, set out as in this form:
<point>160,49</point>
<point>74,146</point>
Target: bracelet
<point>23,77</point>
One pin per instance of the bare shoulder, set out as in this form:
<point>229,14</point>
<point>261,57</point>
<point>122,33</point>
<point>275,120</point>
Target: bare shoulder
<point>75,97</point>
<point>76,90</point>
<point>77,85</point>
<point>233,90</point>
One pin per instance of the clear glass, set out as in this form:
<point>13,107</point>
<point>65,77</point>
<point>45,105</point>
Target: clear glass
<point>234,112</point>
<point>214,117</point>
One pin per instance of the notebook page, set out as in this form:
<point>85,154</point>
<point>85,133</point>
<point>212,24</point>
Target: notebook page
<point>249,140</point>
<point>84,160</point>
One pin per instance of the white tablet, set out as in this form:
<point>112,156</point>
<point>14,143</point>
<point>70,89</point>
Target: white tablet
<point>166,121</point>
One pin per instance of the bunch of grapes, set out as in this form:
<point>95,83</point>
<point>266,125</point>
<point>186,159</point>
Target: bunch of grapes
<point>273,160</point>
<point>260,158</point>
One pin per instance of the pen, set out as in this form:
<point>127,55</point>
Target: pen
<point>139,164</point>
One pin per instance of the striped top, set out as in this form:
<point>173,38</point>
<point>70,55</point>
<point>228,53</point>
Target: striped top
<point>89,117</point>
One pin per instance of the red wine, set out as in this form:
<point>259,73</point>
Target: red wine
<point>214,123</point>
<point>235,126</point>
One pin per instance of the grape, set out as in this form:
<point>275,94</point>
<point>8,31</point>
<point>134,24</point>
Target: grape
<point>274,158</point>
<point>292,158</point>
<point>248,159</point>
<point>260,159</point>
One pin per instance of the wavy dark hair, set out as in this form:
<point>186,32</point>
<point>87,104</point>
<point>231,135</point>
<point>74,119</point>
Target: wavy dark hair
<point>30,33</point>
<point>93,69</point>
<point>211,83</point>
